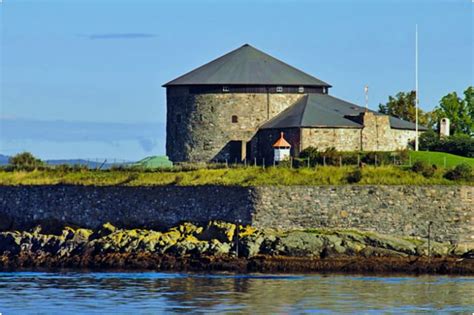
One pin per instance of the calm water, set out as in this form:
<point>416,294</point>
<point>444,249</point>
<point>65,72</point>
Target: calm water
<point>152,293</point>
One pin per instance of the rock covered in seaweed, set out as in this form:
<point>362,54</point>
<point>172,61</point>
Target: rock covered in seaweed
<point>216,239</point>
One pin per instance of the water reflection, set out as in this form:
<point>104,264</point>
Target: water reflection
<point>180,293</point>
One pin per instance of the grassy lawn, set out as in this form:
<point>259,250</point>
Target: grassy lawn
<point>250,176</point>
<point>440,158</point>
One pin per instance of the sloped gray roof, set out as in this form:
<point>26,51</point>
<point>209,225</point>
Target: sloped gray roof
<point>247,66</point>
<point>322,110</point>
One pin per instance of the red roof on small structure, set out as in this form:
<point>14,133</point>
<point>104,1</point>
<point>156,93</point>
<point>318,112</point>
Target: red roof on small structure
<point>281,143</point>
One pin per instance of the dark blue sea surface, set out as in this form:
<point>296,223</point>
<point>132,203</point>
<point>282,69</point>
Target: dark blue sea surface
<point>156,293</point>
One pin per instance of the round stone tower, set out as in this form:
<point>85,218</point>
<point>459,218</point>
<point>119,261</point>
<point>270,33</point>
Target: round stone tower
<point>214,111</point>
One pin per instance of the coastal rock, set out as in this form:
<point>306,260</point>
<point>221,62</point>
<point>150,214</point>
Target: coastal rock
<point>77,235</point>
<point>436,249</point>
<point>249,245</point>
<point>298,244</point>
<point>188,228</point>
<point>218,248</point>
<point>106,229</point>
<point>371,251</point>
<point>393,243</point>
<point>216,240</point>
<point>10,242</point>
<point>221,231</point>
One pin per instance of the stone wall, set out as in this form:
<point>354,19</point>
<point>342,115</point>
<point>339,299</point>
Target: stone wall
<point>402,137</point>
<point>200,126</point>
<point>89,206</point>
<point>376,135</point>
<point>342,139</point>
<point>398,210</point>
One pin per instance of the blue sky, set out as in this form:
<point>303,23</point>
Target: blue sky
<point>82,78</point>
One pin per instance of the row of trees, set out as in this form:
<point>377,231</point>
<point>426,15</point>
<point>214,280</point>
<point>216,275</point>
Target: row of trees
<point>459,110</point>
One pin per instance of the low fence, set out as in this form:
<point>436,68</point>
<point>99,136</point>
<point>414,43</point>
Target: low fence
<point>340,159</point>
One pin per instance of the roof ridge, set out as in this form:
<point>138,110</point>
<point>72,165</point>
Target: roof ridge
<point>288,65</point>
<point>237,68</point>
<point>305,106</point>
<point>207,63</point>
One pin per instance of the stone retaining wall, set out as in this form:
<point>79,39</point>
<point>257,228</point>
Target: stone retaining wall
<point>90,206</point>
<point>398,210</point>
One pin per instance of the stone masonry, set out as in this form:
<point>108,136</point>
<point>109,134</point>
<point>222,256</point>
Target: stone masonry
<point>200,127</point>
<point>397,210</point>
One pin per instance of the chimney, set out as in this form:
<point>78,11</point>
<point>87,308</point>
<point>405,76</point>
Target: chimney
<point>444,127</point>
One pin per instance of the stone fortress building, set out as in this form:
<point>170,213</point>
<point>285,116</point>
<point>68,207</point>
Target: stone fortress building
<point>236,106</point>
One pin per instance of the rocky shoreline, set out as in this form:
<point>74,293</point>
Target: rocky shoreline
<point>222,246</point>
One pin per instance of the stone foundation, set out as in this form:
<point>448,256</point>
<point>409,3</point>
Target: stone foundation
<point>397,210</point>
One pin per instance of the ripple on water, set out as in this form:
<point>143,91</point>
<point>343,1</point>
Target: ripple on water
<point>152,292</point>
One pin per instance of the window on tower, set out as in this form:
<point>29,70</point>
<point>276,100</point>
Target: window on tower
<point>235,119</point>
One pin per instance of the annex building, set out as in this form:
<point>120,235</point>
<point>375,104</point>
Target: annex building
<point>236,106</point>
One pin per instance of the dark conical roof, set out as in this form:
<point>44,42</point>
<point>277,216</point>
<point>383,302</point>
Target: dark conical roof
<point>247,66</point>
<point>322,110</point>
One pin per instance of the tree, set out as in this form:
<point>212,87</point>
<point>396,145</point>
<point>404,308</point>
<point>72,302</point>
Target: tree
<point>459,111</point>
<point>25,160</point>
<point>403,107</point>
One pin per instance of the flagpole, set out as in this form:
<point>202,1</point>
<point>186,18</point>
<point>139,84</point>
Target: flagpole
<point>416,88</point>
<point>366,90</point>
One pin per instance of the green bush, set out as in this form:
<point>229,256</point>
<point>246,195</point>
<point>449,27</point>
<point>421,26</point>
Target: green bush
<point>377,158</point>
<point>354,177</point>
<point>429,141</point>
<point>25,161</point>
<point>459,144</point>
<point>63,168</point>
<point>460,172</point>
<point>310,153</point>
<point>423,168</point>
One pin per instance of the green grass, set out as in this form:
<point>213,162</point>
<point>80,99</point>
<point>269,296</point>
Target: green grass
<point>250,176</point>
<point>440,158</point>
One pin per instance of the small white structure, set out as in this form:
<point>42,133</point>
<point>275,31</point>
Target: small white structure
<point>444,127</point>
<point>281,149</point>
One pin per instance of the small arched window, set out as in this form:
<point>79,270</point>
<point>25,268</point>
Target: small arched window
<point>235,119</point>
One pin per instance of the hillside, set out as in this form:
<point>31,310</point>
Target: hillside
<point>441,159</point>
<point>4,159</point>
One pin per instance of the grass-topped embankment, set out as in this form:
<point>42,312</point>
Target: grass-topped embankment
<point>440,158</point>
<point>249,176</point>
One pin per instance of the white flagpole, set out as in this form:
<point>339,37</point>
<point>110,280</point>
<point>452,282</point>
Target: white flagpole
<point>366,90</point>
<point>416,88</point>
